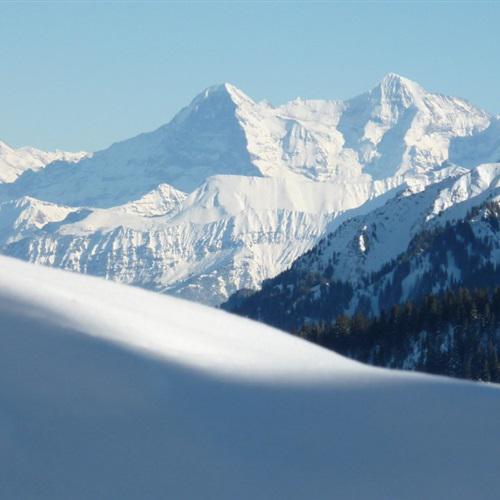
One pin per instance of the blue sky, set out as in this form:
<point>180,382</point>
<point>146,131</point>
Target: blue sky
<point>83,75</point>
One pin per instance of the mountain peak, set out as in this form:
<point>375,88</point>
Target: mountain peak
<point>223,90</point>
<point>394,85</point>
<point>393,79</point>
<point>215,101</point>
<point>391,76</point>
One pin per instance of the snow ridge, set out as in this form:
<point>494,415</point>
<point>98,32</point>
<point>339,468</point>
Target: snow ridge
<point>13,162</point>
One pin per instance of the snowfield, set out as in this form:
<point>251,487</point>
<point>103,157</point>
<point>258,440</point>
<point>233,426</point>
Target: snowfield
<point>114,392</point>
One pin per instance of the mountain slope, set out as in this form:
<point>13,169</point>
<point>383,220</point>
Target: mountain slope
<point>484,147</point>
<point>396,129</point>
<point>417,243</point>
<point>250,186</point>
<point>204,139</point>
<point>14,162</point>
<point>232,232</point>
<point>455,334</point>
<point>114,392</point>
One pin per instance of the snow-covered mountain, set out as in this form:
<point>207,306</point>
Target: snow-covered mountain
<point>230,233</point>
<point>363,245</point>
<point>419,242</point>
<point>14,162</point>
<point>396,129</point>
<point>114,392</point>
<point>473,150</point>
<point>245,187</point>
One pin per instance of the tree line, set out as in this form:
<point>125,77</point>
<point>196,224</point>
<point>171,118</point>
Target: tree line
<point>456,333</point>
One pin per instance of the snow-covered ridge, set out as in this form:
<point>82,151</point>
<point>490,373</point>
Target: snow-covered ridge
<point>110,391</point>
<point>420,241</point>
<point>23,217</point>
<point>232,232</point>
<point>232,191</point>
<point>364,244</point>
<point>164,328</point>
<point>397,129</point>
<point>13,162</point>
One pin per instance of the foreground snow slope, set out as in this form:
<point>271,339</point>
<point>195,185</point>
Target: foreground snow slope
<point>115,392</point>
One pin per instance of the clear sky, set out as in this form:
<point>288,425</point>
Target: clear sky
<point>82,75</point>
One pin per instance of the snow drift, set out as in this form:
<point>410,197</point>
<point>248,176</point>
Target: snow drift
<point>113,392</point>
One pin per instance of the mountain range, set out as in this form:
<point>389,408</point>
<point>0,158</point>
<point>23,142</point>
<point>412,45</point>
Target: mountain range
<point>231,192</point>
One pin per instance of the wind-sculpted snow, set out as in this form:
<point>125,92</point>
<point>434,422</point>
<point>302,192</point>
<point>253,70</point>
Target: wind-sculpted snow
<point>231,191</point>
<point>114,392</point>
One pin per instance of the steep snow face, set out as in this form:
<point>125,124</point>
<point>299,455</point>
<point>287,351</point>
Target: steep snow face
<point>114,392</point>
<point>202,140</point>
<point>398,128</point>
<point>13,162</point>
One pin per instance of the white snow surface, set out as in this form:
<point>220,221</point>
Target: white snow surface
<point>395,130</point>
<point>13,162</point>
<point>232,191</point>
<point>114,392</point>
